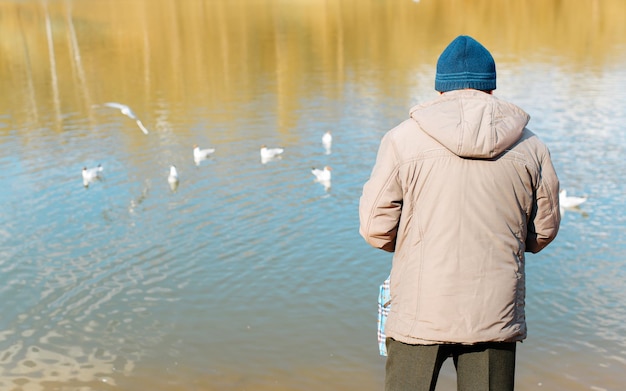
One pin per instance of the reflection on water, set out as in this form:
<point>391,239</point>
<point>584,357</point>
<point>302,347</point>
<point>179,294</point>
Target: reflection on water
<point>247,272</point>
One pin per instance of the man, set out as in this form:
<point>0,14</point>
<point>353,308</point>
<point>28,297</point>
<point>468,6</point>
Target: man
<point>459,192</point>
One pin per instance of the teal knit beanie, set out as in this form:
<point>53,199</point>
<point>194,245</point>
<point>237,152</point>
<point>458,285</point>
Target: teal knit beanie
<point>465,63</point>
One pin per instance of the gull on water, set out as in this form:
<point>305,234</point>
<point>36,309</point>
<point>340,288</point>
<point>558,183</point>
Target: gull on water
<point>568,202</point>
<point>327,141</point>
<point>127,112</point>
<point>322,176</point>
<point>201,154</point>
<point>91,174</point>
<point>172,178</point>
<point>268,154</point>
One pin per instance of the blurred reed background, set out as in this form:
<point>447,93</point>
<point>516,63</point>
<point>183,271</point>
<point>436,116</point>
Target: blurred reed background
<point>70,54</point>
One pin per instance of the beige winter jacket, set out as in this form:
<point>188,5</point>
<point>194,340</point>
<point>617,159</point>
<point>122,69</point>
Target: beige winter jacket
<point>459,192</point>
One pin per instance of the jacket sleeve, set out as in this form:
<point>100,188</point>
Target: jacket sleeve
<point>546,216</point>
<point>381,201</point>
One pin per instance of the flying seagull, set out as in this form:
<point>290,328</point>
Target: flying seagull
<point>127,112</point>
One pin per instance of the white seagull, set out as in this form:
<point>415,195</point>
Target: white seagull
<point>327,141</point>
<point>201,154</point>
<point>568,202</point>
<point>270,153</point>
<point>172,179</point>
<point>91,174</point>
<point>127,112</point>
<point>322,175</point>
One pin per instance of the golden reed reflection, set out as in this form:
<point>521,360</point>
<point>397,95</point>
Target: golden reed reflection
<point>63,56</point>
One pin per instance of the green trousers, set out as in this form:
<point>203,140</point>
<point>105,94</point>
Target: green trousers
<point>480,367</point>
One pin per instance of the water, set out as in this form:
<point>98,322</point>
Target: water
<point>251,275</point>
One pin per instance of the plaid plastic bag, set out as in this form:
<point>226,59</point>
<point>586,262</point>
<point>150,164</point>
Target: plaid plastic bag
<point>384,303</point>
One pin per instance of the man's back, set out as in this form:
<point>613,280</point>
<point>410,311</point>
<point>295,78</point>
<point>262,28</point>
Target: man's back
<point>465,169</point>
<point>459,192</point>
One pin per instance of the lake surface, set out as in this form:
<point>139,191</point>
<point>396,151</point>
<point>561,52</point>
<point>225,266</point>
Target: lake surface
<point>250,275</point>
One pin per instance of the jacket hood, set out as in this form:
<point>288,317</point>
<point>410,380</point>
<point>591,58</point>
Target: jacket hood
<point>471,123</point>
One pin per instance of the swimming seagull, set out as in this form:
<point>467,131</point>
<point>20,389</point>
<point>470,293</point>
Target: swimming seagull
<point>91,174</point>
<point>201,154</point>
<point>172,179</point>
<point>568,202</point>
<point>327,141</point>
<point>322,176</point>
<point>268,154</point>
<point>127,112</point>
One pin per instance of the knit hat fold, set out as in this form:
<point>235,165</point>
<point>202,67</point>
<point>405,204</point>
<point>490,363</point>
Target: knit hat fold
<point>465,63</point>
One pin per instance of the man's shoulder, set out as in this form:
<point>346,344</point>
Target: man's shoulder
<point>531,146</point>
<point>529,137</point>
<point>402,129</point>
